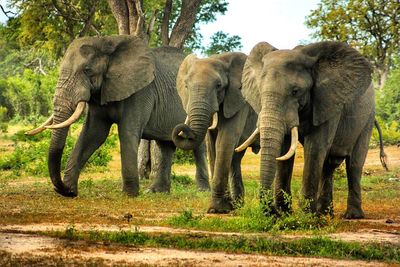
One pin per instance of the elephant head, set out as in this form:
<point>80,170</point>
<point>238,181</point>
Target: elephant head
<point>93,70</point>
<point>300,89</point>
<point>207,87</point>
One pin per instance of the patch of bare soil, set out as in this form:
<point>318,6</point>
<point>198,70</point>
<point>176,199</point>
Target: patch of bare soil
<point>52,251</point>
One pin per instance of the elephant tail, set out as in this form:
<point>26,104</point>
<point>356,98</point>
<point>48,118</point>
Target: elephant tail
<point>382,154</point>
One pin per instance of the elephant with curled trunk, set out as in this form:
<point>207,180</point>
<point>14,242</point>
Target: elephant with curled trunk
<point>122,81</point>
<point>210,92</point>
<point>321,95</point>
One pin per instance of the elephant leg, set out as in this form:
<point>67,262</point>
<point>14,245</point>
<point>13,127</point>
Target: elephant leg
<point>354,166</point>
<point>129,145</point>
<point>325,191</point>
<point>236,181</point>
<point>92,136</point>
<point>283,180</point>
<point>229,133</point>
<point>162,175</point>
<point>201,168</point>
<point>316,147</point>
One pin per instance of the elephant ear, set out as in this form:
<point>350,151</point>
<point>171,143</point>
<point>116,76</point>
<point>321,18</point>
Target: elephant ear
<point>340,75</point>
<point>233,100</point>
<point>181,77</point>
<point>252,73</point>
<point>130,68</point>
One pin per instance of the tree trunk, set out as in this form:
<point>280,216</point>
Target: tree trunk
<point>184,24</point>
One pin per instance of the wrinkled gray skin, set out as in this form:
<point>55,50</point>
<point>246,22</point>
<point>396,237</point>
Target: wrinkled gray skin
<point>125,83</point>
<point>213,85</point>
<point>325,90</point>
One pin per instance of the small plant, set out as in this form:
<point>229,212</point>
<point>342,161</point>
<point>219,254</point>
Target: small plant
<point>181,179</point>
<point>183,157</point>
<point>186,218</point>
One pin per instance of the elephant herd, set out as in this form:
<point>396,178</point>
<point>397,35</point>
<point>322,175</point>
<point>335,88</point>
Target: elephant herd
<point>319,95</point>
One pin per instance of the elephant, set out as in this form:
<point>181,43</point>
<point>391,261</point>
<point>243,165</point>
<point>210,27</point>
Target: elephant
<point>322,96</point>
<point>124,82</point>
<point>210,93</point>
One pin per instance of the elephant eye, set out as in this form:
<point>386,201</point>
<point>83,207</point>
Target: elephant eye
<point>218,85</point>
<point>295,91</point>
<point>88,71</point>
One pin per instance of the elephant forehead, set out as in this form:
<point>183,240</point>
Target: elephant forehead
<point>206,69</point>
<point>284,59</point>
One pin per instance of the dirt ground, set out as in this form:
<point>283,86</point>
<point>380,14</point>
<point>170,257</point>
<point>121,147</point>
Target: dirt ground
<point>23,244</point>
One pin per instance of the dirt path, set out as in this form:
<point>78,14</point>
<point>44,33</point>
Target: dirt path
<point>50,251</point>
<point>362,235</point>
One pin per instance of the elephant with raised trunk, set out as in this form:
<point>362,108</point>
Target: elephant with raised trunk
<point>210,92</point>
<point>320,94</point>
<point>124,82</point>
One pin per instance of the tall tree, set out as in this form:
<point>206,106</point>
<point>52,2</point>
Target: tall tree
<point>373,26</point>
<point>53,24</point>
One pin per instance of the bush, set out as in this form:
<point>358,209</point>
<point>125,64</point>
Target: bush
<point>390,133</point>
<point>30,154</point>
<point>183,157</point>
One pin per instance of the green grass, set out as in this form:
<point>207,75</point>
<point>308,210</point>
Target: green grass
<point>312,247</point>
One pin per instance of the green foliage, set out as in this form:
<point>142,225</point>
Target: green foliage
<point>371,26</point>
<point>183,157</point>
<point>388,98</point>
<point>30,153</point>
<point>390,133</point>
<point>30,94</point>
<point>52,25</point>
<point>251,218</point>
<point>222,42</point>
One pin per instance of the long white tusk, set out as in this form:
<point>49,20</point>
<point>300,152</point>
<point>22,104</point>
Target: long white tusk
<point>249,140</point>
<point>77,113</point>
<point>214,121</point>
<point>41,128</point>
<point>293,145</point>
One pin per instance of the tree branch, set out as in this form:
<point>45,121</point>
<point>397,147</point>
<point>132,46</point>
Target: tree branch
<point>165,22</point>
<point>185,22</point>
<point>7,12</point>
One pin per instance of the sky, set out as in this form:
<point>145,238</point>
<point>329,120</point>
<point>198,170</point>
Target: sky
<point>278,22</point>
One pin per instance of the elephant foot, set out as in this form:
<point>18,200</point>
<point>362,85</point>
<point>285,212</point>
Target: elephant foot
<point>353,213</point>
<point>159,188</point>
<point>132,191</point>
<point>66,192</point>
<point>203,187</point>
<point>220,206</point>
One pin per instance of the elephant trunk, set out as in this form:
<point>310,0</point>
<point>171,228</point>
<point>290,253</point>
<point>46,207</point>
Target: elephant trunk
<point>191,135</point>
<point>272,130</point>
<point>65,110</point>
<point>56,149</point>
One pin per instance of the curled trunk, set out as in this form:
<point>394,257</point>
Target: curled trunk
<point>191,135</point>
<point>56,149</point>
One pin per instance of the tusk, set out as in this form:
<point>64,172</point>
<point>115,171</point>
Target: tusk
<point>77,113</point>
<point>249,140</point>
<point>214,121</point>
<point>293,145</point>
<point>41,128</point>
<point>181,134</point>
<point>187,120</point>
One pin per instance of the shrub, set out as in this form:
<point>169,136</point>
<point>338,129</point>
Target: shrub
<point>183,157</point>
<point>30,154</point>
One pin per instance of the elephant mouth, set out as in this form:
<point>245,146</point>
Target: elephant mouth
<point>184,132</point>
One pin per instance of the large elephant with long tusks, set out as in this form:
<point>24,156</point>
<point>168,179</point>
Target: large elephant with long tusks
<point>320,94</point>
<point>121,81</point>
<point>210,92</point>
